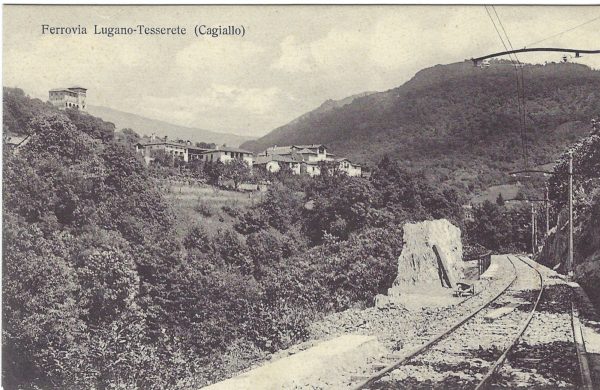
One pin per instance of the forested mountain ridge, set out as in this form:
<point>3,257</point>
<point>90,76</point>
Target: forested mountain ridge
<point>457,122</point>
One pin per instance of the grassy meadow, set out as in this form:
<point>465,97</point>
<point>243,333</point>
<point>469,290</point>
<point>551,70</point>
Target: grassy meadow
<point>206,204</point>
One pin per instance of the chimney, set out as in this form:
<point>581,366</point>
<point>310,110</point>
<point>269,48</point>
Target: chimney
<point>153,137</point>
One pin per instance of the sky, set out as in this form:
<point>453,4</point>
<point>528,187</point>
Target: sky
<point>290,60</point>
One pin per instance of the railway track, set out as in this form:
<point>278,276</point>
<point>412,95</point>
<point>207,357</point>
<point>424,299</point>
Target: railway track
<point>498,324</point>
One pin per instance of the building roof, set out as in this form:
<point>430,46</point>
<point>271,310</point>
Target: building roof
<point>229,149</point>
<point>70,89</point>
<point>196,148</point>
<point>311,146</point>
<point>303,149</point>
<point>345,159</point>
<point>306,151</point>
<point>277,158</point>
<point>288,150</point>
<point>279,150</point>
<point>161,142</point>
<point>148,142</point>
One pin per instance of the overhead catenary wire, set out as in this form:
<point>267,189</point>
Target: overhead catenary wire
<point>563,32</point>
<point>505,34</point>
<point>519,80</point>
<point>521,92</point>
<point>497,31</point>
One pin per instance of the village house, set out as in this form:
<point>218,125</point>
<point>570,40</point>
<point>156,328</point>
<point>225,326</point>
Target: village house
<point>226,154</point>
<point>273,163</point>
<point>180,150</point>
<point>349,167</point>
<point>304,159</point>
<point>187,152</point>
<point>302,152</point>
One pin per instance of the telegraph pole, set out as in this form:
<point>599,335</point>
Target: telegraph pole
<point>570,261</point>
<point>532,230</point>
<point>547,206</point>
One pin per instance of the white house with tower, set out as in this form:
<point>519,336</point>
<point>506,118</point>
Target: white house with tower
<point>72,97</point>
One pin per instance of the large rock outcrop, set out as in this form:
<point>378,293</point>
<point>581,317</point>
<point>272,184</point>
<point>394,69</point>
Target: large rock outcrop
<point>430,263</point>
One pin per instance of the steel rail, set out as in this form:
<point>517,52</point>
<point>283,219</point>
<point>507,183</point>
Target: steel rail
<point>494,368</point>
<point>419,350</point>
<point>582,358</point>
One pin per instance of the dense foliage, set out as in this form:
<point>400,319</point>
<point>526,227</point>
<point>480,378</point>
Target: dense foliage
<point>500,229</point>
<point>18,110</point>
<point>85,249</point>
<point>586,171</point>
<point>586,206</point>
<point>99,290</point>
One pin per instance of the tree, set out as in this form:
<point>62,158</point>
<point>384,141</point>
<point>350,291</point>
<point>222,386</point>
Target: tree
<point>197,169</point>
<point>162,158</point>
<point>340,208</point>
<point>205,145</point>
<point>586,169</point>
<point>283,173</point>
<point>214,171</point>
<point>92,260</point>
<point>198,238</point>
<point>501,230</point>
<point>500,200</point>
<point>237,171</point>
<point>91,125</point>
<point>54,135</point>
<point>42,335</point>
<point>19,109</point>
<point>127,136</point>
<point>233,250</point>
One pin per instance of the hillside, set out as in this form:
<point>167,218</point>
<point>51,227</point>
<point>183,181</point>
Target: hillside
<point>457,123</point>
<point>143,125</point>
<point>329,105</point>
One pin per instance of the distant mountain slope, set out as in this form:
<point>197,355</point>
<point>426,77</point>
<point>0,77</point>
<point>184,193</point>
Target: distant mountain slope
<point>456,122</point>
<point>329,105</point>
<point>143,125</point>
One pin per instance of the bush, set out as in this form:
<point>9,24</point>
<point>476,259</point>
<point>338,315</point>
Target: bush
<point>233,250</point>
<point>204,208</point>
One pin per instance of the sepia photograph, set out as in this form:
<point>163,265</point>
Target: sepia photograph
<point>300,197</point>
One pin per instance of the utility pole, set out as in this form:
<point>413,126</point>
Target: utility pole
<point>532,230</point>
<point>570,261</point>
<point>547,206</point>
<point>535,230</point>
